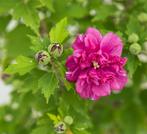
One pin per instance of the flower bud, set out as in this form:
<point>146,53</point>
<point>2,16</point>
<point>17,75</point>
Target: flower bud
<point>133,38</point>
<point>142,17</point>
<point>60,127</point>
<point>42,57</point>
<point>142,57</point>
<point>68,120</point>
<point>55,49</point>
<point>135,49</point>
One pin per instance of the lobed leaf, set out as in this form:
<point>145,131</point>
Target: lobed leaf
<point>59,32</point>
<point>48,83</point>
<point>22,66</point>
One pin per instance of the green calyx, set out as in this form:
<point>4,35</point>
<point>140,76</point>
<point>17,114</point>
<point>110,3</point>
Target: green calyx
<point>42,57</point>
<point>55,49</point>
<point>133,38</point>
<point>135,49</point>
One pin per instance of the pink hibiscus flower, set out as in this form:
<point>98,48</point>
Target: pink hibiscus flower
<point>96,65</point>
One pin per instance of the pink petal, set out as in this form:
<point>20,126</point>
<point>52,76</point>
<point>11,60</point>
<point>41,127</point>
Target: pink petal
<point>119,82</point>
<point>71,63</point>
<point>78,43</point>
<point>92,39</point>
<point>102,90</point>
<point>111,44</point>
<point>82,88</point>
<point>95,33</point>
<point>73,75</point>
<point>73,69</point>
<point>91,42</point>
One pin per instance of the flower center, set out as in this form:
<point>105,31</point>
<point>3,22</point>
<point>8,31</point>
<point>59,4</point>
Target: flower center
<point>95,65</point>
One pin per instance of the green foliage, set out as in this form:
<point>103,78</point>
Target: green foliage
<point>48,3</point>
<point>59,33</point>
<point>27,12</point>
<point>22,66</point>
<point>132,64</point>
<point>38,43</point>
<point>42,129</point>
<point>103,12</point>
<point>48,83</point>
<point>22,43</point>
<point>42,100</point>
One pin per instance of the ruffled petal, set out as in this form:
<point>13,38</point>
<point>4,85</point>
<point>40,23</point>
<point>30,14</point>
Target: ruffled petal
<point>91,43</point>
<point>102,89</point>
<point>79,43</point>
<point>120,81</point>
<point>92,39</point>
<point>94,83</point>
<point>111,44</point>
<point>95,33</point>
<point>82,88</point>
<point>73,69</point>
<point>73,75</point>
<point>71,63</point>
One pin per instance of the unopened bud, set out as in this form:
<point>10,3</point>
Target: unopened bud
<point>60,127</point>
<point>142,57</point>
<point>133,38</point>
<point>68,120</point>
<point>42,57</point>
<point>55,49</point>
<point>142,17</point>
<point>135,49</point>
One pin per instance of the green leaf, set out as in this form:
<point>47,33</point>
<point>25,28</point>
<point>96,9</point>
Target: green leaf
<point>80,132</point>
<point>133,26</point>
<point>48,3</point>
<point>42,130</point>
<point>54,118</point>
<point>132,65</point>
<point>104,11</point>
<point>61,70</point>
<point>76,11</point>
<point>25,10</point>
<point>59,33</point>
<point>32,81</point>
<point>38,43</point>
<point>6,5</point>
<point>13,44</point>
<point>28,13</point>
<point>131,118</point>
<point>22,66</point>
<point>143,99</point>
<point>48,83</point>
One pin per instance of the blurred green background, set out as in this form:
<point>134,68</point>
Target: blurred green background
<point>23,108</point>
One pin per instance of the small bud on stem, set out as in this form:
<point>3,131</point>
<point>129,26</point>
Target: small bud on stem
<point>60,128</point>
<point>133,38</point>
<point>135,49</point>
<point>42,57</point>
<point>55,49</point>
<point>68,120</point>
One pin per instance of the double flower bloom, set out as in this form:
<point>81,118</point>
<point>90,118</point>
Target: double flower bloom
<point>96,65</point>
